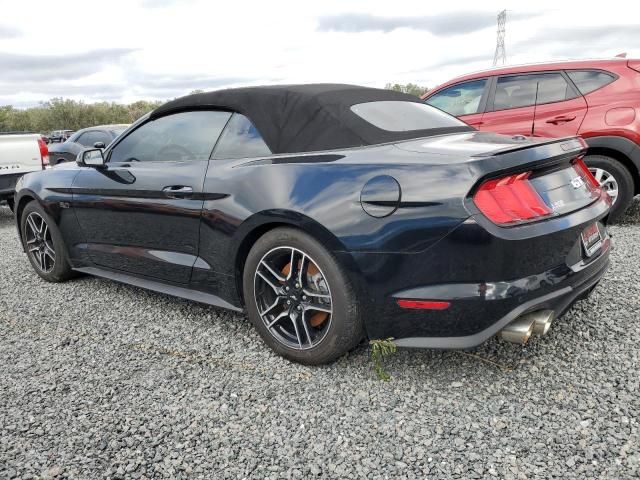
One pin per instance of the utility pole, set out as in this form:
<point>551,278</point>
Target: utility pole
<point>501,55</point>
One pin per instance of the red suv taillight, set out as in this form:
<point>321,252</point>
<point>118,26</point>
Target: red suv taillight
<point>511,199</point>
<point>44,153</point>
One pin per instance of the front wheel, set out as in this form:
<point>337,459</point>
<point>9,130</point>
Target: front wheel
<point>300,299</point>
<point>615,179</point>
<point>43,244</point>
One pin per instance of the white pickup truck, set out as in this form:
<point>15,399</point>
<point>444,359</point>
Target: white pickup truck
<point>20,153</point>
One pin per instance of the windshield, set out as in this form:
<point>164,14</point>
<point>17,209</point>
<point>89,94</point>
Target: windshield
<point>400,116</point>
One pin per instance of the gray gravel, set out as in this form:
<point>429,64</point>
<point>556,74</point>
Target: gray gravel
<point>101,380</point>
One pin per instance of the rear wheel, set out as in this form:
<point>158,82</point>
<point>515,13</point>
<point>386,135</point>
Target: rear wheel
<point>615,179</point>
<point>44,245</point>
<point>300,299</point>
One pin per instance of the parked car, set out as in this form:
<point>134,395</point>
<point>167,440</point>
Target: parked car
<point>596,99</point>
<point>58,136</point>
<point>20,153</point>
<point>99,137</point>
<point>331,213</point>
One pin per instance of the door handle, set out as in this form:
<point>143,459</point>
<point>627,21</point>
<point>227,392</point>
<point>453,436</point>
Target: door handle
<point>561,119</point>
<point>476,124</point>
<point>177,191</point>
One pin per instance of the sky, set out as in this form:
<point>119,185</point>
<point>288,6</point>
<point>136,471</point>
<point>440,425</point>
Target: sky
<point>127,50</point>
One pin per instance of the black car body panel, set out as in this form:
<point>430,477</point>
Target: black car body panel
<point>421,237</point>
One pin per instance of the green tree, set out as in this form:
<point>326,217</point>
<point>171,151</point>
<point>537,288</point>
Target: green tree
<point>410,88</point>
<point>63,114</point>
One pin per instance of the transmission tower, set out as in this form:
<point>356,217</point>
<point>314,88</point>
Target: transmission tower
<point>501,55</point>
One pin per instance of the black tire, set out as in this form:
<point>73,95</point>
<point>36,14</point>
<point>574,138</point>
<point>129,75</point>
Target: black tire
<point>344,329</point>
<point>622,177</point>
<point>61,270</point>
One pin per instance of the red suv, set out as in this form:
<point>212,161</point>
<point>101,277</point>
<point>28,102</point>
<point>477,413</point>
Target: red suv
<point>597,99</point>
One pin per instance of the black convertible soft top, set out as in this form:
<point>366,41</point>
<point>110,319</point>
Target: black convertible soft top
<point>305,118</point>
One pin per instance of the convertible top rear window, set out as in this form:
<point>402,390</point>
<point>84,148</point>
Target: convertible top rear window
<point>399,116</point>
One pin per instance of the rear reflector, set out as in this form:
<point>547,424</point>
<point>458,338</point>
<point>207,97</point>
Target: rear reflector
<point>510,199</point>
<point>44,153</point>
<point>423,304</point>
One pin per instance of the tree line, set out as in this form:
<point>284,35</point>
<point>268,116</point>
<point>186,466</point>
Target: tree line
<point>66,114</point>
<point>410,88</point>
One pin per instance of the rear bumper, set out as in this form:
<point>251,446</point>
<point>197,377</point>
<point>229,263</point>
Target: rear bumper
<point>489,276</point>
<point>518,298</point>
<point>8,185</point>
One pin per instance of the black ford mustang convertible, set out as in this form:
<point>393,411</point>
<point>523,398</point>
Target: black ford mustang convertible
<point>330,213</point>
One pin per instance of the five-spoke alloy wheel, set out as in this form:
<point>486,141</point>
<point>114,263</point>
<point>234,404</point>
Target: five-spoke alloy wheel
<point>293,297</point>
<point>614,178</point>
<point>39,242</point>
<point>43,243</point>
<point>299,297</point>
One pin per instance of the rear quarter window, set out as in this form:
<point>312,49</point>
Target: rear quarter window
<point>589,80</point>
<point>240,139</point>
<point>399,116</point>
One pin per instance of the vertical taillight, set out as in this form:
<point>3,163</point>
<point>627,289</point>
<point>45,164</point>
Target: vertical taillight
<point>592,182</point>
<point>510,199</point>
<point>44,153</point>
<point>585,173</point>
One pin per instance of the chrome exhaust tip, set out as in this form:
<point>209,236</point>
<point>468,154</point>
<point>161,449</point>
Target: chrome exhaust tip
<point>519,331</point>
<point>542,321</point>
<point>534,323</point>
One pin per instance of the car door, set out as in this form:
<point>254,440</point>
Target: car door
<point>223,211</point>
<point>510,106</point>
<point>464,100</point>
<point>560,109</point>
<point>140,212</point>
<point>537,104</point>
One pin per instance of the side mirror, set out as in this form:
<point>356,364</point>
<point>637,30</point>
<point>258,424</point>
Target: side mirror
<point>99,145</point>
<point>91,158</point>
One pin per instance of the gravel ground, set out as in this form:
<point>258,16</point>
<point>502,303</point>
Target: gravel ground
<point>101,380</point>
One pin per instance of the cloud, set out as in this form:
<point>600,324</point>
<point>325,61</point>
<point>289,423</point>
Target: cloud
<point>161,86</point>
<point>582,41</point>
<point>20,68</point>
<point>446,24</point>
<point>163,3</point>
<point>141,85</point>
<point>9,32</point>
<point>62,89</point>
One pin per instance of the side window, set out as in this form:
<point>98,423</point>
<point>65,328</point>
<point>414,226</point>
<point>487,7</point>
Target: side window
<point>589,80</point>
<point>240,140</point>
<point>83,139</point>
<point>101,136</point>
<point>461,99</point>
<point>520,90</point>
<point>88,139</point>
<point>185,136</point>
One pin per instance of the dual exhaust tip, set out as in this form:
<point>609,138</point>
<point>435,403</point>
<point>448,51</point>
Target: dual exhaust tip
<point>534,323</point>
